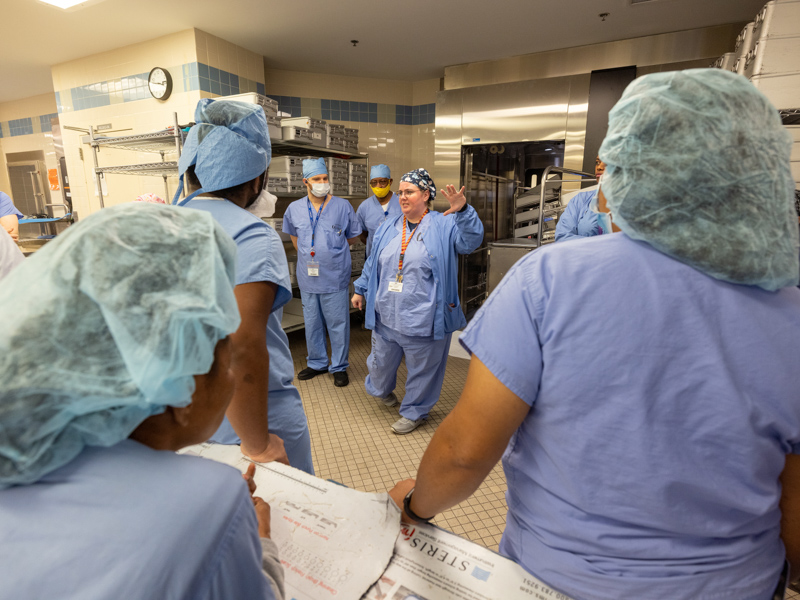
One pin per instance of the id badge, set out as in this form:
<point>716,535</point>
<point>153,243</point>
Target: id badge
<point>313,269</point>
<point>395,286</point>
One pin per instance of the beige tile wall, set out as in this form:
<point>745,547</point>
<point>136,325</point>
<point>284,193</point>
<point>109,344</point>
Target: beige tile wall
<point>317,85</point>
<point>167,51</point>
<point>221,54</point>
<point>125,118</point>
<point>18,109</point>
<point>141,116</point>
<point>401,147</point>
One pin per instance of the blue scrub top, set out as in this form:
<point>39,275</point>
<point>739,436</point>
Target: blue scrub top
<point>135,523</point>
<point>336,225</point>
<point>578,220</point>
<point>7,207</point>
<point>663,404</point>
<point>261,257</point>
<point>411,311</point>
<point>446,237</point>
<point>371,215</point>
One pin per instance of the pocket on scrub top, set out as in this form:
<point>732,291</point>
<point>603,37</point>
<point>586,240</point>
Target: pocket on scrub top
<point>335,237</point>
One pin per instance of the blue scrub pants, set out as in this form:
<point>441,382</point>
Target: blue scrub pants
<point>426,360</point>
<point>331,311</point>
<point>287,420</point>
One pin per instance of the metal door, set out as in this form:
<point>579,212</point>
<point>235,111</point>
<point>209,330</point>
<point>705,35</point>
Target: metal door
<point>29,188</point>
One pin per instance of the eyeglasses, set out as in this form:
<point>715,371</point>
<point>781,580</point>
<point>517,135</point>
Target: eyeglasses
<point>380,182</point>
<point>408,193</point>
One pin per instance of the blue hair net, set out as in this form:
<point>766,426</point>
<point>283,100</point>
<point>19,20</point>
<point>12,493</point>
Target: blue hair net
<point>422,179</point>
<point>229,144</point>
<point>698,166</point>
<point>380,172</point>
<point>119,313</point>
<point>313,167</point>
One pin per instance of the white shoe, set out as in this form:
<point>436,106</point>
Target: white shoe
<point>389,401</point>
<point>403,426</point>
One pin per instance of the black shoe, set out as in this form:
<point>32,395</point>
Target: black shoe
<point>340,379</point>
<point>309,373</point>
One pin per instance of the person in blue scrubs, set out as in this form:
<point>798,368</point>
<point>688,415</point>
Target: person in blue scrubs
<point>382,205</point>
<point>322,227</point>
<point>10,254</point>
<point>119,356</point>
<point>410,284</point>
<point>9,216</point>
<point>645,404</point>
<point>224,163</point>
<point>579,219</point>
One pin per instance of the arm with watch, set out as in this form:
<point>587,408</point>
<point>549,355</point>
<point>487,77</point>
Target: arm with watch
<point>465,447</point>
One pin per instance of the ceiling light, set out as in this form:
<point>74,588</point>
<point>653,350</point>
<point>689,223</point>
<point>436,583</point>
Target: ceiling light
<point>64,3</point>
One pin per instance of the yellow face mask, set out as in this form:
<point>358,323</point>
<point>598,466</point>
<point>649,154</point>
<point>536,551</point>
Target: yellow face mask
<point>381,192</point>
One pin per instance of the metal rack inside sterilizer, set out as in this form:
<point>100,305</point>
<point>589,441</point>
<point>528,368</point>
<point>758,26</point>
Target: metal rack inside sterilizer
<point>584,177</point>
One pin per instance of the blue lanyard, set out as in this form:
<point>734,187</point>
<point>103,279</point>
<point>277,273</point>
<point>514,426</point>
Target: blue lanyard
<point>314,221</point>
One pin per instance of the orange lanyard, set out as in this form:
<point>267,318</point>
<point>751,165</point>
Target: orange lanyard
<point>404,244</point>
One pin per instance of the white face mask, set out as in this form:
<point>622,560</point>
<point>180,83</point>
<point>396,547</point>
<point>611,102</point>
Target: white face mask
<point>320,190</point>
<point>264,206</point>
<point>603,219</point>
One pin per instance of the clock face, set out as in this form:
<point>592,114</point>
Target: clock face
<point>160,83</point>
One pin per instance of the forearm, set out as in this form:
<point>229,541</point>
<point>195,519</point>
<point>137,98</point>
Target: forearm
<point>448,474</point>
<point>790,513</point>
<point>363,237</point>
<point>469,230</point>
<point>248,408</point>
<point>468,443</point>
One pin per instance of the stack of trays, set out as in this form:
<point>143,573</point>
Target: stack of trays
<point>772,63</point>
<point>278,185</point>
<point>282,166</point>
<point>351,140</point>
<point>270,107</point>
<point>358,253</point>
<point>358,185</point>
<point>274,127</point>
<point>744,43</point>
<point>288,169</point>
<point>356,168</point>
<point>298,135</point>
<point>316,127</point>
<point>337,166</point>
<point>334,136</point>
<point>726,62</point>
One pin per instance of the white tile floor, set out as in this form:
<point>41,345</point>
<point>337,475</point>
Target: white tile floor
<point>351,439</point>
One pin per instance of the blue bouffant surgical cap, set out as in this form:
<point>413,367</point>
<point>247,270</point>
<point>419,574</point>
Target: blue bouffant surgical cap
<point>698,166</point>
<point>229,144</point>
<point>120,312</point>
<point>422,179</point>
<point>379,172</point>
<point>313,167</point>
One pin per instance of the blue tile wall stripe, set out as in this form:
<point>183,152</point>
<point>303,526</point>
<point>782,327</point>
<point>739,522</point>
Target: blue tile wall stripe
<point>24,126</point>
<point>198,76</point>
<point>187,77</point>
<point>360,112</point>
